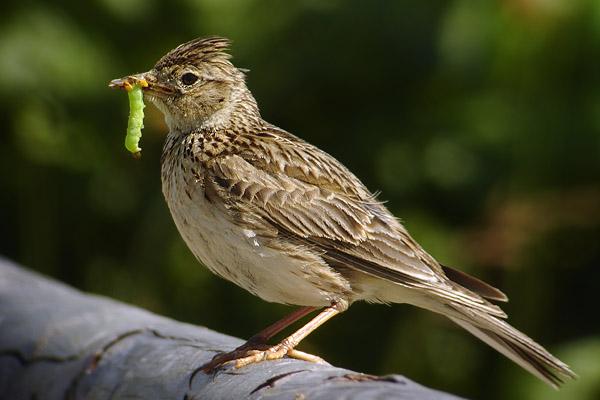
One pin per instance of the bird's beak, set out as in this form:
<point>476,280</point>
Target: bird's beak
<point>146,80</point>
<point>128,82</point>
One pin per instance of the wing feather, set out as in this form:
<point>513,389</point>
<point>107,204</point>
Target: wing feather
<point>299,208</point>
<point>310,198</point>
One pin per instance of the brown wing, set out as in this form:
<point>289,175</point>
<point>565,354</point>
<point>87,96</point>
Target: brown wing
<point>330,210</point>
<point>373,235</point>
<point>317,216</point>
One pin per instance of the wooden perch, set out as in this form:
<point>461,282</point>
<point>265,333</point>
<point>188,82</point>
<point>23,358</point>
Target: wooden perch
<point>58,343</point>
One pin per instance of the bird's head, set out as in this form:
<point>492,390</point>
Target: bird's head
<point>196,86</point>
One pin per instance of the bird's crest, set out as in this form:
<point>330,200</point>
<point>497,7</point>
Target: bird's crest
<point>200,50</point>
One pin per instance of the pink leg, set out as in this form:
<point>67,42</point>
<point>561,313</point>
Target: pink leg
<point>286,346</point>
<point>272,330</point>
<point>253,352</point>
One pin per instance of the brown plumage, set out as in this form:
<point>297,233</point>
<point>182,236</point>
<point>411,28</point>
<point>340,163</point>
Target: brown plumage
<point>289,223</point>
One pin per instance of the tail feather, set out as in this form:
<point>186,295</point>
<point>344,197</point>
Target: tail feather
<point>513,344</point>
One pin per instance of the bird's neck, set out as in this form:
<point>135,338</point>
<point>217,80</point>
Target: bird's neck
<point>240,111</point>
<point>218,132</point>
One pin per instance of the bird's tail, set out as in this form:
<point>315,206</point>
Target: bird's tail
<point>512,343</point>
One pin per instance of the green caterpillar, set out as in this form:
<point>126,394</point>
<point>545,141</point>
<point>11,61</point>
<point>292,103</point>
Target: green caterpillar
<point>135,123</point>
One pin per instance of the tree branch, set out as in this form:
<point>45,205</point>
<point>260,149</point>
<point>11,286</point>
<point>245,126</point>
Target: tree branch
<point>58,343</point>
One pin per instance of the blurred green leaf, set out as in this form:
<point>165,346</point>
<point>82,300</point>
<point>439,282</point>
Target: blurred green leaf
<point>42,50</point>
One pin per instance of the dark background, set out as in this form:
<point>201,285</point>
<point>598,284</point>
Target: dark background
<point>479,121</point>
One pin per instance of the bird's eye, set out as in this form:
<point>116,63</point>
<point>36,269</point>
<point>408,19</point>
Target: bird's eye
<point>189,78</point>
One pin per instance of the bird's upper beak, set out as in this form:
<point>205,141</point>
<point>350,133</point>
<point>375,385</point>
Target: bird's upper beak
<point>146,80</point>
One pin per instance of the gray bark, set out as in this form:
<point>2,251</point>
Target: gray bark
<point>59,343</point>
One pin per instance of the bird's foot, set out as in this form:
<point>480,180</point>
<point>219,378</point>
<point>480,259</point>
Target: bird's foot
<point>252,352</point>
<point>275,353</point>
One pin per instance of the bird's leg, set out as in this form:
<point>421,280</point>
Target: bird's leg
<point>249,353</point>
<point>258,341</point>
<point>286,346</point>
<point>272,330</point>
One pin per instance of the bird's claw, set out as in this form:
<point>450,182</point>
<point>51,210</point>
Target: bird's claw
<point>251,353</point>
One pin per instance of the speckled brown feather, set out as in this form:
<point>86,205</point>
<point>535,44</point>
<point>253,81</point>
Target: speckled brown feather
<point>324,205</point>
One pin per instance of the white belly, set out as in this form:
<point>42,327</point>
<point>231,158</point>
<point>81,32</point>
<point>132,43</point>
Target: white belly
<point>240,256</point>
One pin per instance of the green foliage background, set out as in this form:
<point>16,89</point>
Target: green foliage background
<point>478,120</point>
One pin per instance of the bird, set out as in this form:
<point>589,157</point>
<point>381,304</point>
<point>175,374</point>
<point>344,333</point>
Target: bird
<point>289,223</point>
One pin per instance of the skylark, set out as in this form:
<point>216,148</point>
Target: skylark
<point>289,223</point>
